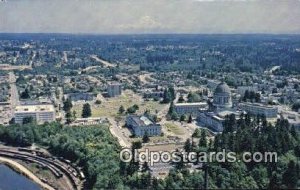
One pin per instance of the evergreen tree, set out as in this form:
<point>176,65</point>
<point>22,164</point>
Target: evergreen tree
<point>69,118</point>
<point>180,99</point>
<point>145,167</point>
<point>182,117</point>
<point>188,145</point>
<point>291,176</point>
<point>121,109</point>
<point>86,111</point>
<point>25,94</point>
<point>146,138</point>
<point>166,96</point>
<point>190,120</point>
<point>67,105</point>
<point>27,120</point>
<point>203,140</point>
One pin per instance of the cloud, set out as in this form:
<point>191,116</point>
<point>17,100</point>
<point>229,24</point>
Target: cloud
<point>150,16</point>
<point>144,23</point>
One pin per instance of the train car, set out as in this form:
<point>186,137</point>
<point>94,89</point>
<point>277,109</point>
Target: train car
<point>25,150</point>
<point>82,176</point>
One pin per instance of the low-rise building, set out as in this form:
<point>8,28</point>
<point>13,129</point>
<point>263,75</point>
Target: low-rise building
<point>39,113</point>
<point>211,120</point>
<point>154,94</point>
<point>189,108</point>
<point>81,96</point>
<point>259,109</point>
<point>292,117</point>
<point>114,89</point>
<point>141,125</point>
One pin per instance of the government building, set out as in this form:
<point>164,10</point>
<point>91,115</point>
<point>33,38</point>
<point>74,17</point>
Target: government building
<point>221,106</point>
<point>214,116</point>
<point>259,109</point>
<point>189,108</point>
<point>141,125</point>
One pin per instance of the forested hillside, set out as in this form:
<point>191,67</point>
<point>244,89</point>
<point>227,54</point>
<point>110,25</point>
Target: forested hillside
<point>97,151</point>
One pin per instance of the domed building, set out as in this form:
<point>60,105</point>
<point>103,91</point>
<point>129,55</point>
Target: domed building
<point>222,96</point>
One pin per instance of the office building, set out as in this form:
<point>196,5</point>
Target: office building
<point>39,113</point>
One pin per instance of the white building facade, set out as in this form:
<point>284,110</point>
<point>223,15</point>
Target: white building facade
<point>39,113</point>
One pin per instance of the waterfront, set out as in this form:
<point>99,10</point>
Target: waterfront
<point>11,180</point>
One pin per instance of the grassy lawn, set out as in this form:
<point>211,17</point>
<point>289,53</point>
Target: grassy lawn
<point>173,128</point>
<point>110,107</point>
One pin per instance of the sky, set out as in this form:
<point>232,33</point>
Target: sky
<point>150,16</point>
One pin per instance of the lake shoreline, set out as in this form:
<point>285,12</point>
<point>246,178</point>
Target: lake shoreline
<point>20,169</point>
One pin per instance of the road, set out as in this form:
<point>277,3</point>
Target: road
<point>13,90</point>
<point>116,131</point>
<point>103,62</point>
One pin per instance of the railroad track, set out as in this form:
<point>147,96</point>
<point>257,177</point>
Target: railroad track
<point>56,166</point>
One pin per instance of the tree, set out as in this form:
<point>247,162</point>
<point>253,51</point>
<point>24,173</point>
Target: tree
<point>296,106</point>
<point>131,110</point>
<point>69,118</point>
<point>182,117</point>
<point>98,102</point>
<point>136,145</point>
<point>174,116</point>
<point>146,138</point>
<point>27,120</point>
<point>172,113</point>
<point>203,141</point>
<point>194,97</point>
<point>171,108</point>
<point>291,176</point>
<point>25,94</point>
<point>86,111</point>
<point>67,105</point>
<point>196,133</point>
<point>121,109</point>
<point>74,114</point>
<point>274,182</point>
<point>190,120</point>
<point>188,145</point>
<point>172,93</point>
<point>136,107</point>
<point>145,167</point>
<point>180,99</point>
<point>166,97</point>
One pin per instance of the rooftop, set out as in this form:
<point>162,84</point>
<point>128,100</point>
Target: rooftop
<point>257,105</point>
<point>190,104</point>
<point>35,108</point>
<point>142,120</point>
<point>222,88</point>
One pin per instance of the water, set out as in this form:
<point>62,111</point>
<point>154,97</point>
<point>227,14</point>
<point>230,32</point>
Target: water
<point>11,180</point>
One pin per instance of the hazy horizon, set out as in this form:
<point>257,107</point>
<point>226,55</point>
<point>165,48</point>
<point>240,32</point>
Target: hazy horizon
<point>150,17</point>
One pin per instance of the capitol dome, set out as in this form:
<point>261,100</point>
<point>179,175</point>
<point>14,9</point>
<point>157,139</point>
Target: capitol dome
<point>222,96</point>
<point>222,88</point>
